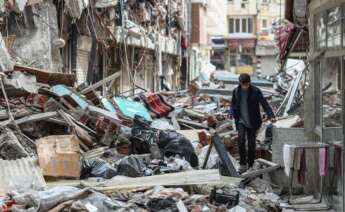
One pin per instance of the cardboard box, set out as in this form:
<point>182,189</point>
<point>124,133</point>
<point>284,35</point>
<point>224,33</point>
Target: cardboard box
<point>59,156</point>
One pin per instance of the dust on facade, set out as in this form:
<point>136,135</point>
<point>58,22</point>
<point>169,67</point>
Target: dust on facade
<point>139,39</point>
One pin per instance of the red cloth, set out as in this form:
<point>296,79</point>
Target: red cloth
<point>323,161</point>
<point>338,162</point>
<point>183,42</point>
<point>302,168</point>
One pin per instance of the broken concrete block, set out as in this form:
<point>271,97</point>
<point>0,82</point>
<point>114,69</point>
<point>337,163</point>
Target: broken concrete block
<point>6,62</point>
<point>75,7</point>
<point>34,45</point>
<point>10,147</point>
<point>59,156</point>
<point>22,81</point>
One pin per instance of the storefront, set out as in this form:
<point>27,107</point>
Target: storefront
<point>242,54</point>
<point>324,102</point>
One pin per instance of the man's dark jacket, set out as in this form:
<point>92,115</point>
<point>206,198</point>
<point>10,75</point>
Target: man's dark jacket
<point>255,97</point>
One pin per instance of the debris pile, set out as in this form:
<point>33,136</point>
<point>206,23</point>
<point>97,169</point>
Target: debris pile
<point>94,153</point>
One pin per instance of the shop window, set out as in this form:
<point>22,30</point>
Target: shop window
<point>233,60</point>
<point>320,31</point>
<point>331,93</point>
<point>264,24</point>
<point>332,131</point>
<point>334,27</point>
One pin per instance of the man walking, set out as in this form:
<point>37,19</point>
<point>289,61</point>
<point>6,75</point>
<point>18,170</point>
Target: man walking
<point>246,111</point>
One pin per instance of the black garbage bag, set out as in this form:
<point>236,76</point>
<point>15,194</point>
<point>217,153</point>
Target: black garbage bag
<point>143,136</point>
<point>269,134</point>
<point>172,143</point>
<point>97,168</point>
<point>131,166</point>
<point>157,204</point>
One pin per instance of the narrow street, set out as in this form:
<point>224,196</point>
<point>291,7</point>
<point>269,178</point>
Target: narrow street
<point>172,105</point>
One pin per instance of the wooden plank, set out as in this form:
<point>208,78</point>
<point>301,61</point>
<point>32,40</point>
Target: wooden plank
<point>266,162</point>
<point>195,177</point>
<point>272,167</point>
<point>32,118</point>
<point>48,77</point>
<point>102,82</point>
<point>223,155</point>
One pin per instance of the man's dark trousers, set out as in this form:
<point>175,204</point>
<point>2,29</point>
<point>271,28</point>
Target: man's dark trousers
<point>250,133</point>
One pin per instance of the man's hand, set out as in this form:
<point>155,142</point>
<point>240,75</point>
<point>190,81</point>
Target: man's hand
<point>273,120</point>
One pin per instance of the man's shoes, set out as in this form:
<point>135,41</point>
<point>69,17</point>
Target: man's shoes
<point>242,169</point>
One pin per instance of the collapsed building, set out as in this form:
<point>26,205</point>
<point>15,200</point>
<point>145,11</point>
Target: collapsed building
<point>91,119</point>
<point>139,41</point>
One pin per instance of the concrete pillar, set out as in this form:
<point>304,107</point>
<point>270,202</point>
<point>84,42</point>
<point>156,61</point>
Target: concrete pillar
<point>227,59</point>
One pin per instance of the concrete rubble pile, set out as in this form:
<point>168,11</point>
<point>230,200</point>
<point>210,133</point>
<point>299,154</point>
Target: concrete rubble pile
<point>148,152</point>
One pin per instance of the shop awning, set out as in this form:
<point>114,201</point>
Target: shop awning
<point>246,43</point>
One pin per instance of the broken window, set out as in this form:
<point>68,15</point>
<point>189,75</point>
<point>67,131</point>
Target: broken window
<point>320,31</point>
<point>331,93</point>
<point>334,27</point>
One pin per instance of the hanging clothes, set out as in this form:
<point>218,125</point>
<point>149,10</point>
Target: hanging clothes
<point>303,167</point>
<point>323,161</point>
<point>338,162</point>
<point>288,155</point>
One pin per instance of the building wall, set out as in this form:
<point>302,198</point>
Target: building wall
<point>216,18</point>
<point>199,24</point>
<point>269,11</point>
<point>268,65</point>
<point>239,7</point>
<point>318,11</point>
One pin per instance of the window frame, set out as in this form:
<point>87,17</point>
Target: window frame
<point>241,25</point>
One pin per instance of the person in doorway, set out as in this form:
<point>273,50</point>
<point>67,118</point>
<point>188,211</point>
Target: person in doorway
<point>245,108</point>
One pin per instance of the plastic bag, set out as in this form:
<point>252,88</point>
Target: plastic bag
<point>97,168</point>
<point>172,143</point>
<point>133,167</point>
<point>143,136</point>
<point>168,204</point>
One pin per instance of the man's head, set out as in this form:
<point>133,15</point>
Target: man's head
<point>244,81</point>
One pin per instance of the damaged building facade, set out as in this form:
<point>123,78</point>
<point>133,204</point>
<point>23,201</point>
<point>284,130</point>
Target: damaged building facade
<point>138,41</point>
<point>316,34</point>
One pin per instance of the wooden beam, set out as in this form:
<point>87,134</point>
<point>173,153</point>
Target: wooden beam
<point>272,167</point>
<point>195,177</point>
<point>31,118</point>
<point>102,82</point>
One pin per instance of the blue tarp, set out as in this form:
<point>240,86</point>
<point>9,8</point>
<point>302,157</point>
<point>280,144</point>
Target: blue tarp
<point>130,108</point>
<point>108,105</point>
<point>62,90</point>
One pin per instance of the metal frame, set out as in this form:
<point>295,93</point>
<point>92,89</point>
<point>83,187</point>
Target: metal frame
<point>322,183</point>
<point>316,8</point>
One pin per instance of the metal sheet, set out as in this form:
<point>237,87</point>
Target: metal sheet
<point>18,171</point>
<point>62,90</point>
<point>130,108</point>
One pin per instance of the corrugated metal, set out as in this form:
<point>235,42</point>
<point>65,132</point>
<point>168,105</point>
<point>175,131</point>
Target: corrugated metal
<point>14,172</point>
